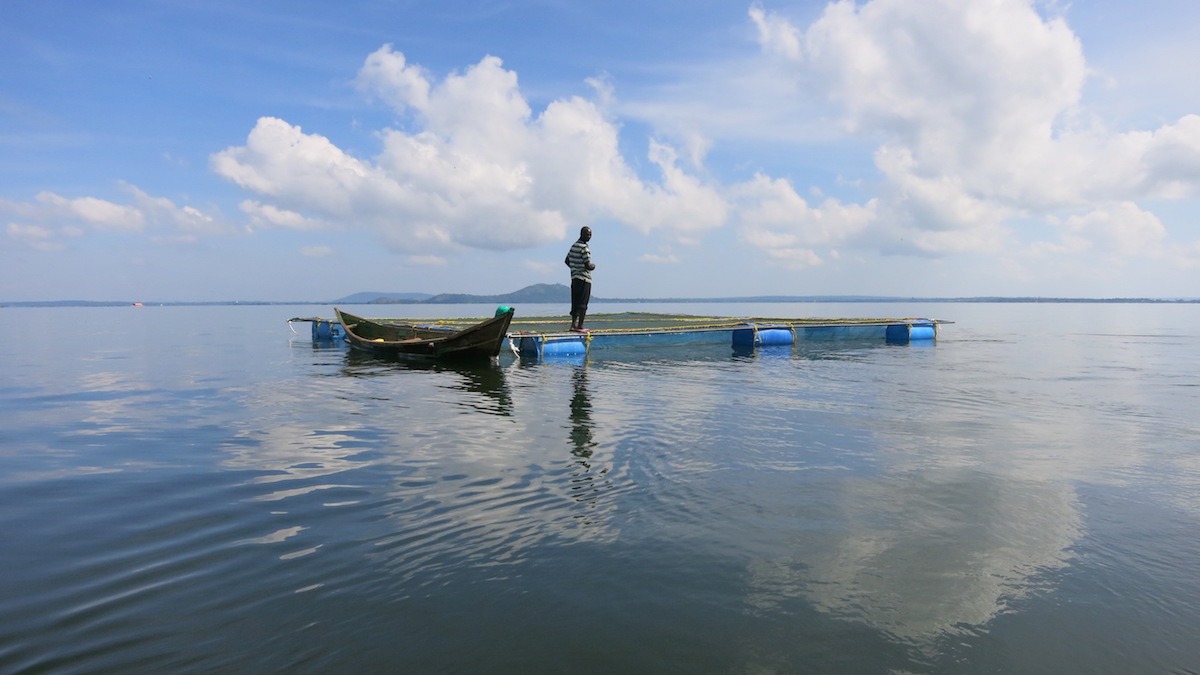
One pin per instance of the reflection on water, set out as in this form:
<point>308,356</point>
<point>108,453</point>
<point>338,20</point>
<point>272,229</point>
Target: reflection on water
<point>440,453</point>
<point>485,379</point>
<point>833,507</point>
<point>920,558</point>
<point>963,516</point>
<point>582,435</point>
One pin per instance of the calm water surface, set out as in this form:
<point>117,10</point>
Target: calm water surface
<point>196,489</point>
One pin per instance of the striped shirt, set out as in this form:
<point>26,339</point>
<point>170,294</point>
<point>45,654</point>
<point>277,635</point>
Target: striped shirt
<point>579,257</point>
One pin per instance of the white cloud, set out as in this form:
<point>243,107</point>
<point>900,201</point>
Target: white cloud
<point>1172,159</point>
<point>98,213</point>
<point>773,217</point>
<point>268,215</point>
<point>58,218</point>
<point>387,75</point>
<point>666,258</point>
<point>1121,229</point>
<point>279,160</point>
<point>776,35</point>
<point>482,171</point>
<point>977,109</point>
<point>165,213</point>
<point>35,237</point>
<point>1107,242</point>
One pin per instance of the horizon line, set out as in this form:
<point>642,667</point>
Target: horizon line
<point>747,299</point>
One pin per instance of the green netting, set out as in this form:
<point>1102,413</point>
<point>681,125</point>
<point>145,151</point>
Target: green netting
<point>641,321</point>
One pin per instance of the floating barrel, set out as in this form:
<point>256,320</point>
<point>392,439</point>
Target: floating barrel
<point>568,346</point>
<point>539,345</point>
<point>903,333</point>
<point>921,332</point>
<point>528,346</point>
<point>324,330</point>
<point>764,336</point>
<point>775,336</point>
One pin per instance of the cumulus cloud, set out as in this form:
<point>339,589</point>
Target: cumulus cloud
<point>1119,229</point>
<point>164,213</point>
<point>664,258</point>
<point>976,108</point>
<point>38,238</point>
<point>973,111</point>
<point>98,213</point>
<point>51,219</point>
<point>480,170</point>
<point>272,216</point>
<point>775,218</point>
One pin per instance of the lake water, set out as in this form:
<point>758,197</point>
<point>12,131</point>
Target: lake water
<point>196,489</point>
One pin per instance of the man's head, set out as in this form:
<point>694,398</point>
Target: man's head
<point>585,234</point>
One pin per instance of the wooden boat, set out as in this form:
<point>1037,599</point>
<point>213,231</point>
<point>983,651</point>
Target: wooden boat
<point>480,341</point>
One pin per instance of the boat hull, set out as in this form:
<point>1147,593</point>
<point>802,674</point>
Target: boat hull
<point>478,342</point>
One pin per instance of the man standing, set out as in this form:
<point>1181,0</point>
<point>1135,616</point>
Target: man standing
<point>579,259</point>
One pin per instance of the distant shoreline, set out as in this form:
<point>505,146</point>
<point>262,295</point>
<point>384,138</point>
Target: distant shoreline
<point>489,300</point>
<point>551,294</point>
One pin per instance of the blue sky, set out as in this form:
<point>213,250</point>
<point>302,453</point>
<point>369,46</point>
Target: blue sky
<point>302,150</point>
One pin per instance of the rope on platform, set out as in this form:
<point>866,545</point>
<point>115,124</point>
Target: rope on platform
<point>670,323</point>
<point>692,323</point>
<point>698,326</point>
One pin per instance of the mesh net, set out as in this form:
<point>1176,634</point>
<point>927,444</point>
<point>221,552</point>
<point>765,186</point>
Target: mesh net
<point>643,321</point>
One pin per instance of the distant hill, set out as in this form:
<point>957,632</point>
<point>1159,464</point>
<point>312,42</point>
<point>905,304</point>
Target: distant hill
<point>372,297</point>
<point>535,294</point>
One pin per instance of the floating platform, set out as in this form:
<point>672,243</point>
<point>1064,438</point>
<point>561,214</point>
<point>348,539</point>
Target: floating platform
<point>543,336</point>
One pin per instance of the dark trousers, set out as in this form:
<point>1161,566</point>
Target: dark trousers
<point>581,293</point>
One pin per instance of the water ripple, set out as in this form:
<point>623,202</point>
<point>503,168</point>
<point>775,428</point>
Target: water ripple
<point>239,504</point>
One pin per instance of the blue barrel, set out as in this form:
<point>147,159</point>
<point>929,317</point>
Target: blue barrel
<point>323,331</point>
<point>922,333</point>
<point>743,337</point>
<point>755,336</point>
<point>528,346</point>
<point>903,333</point>
<point>538,345</point>
<point>774,336</point>
<point>563,347</point>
